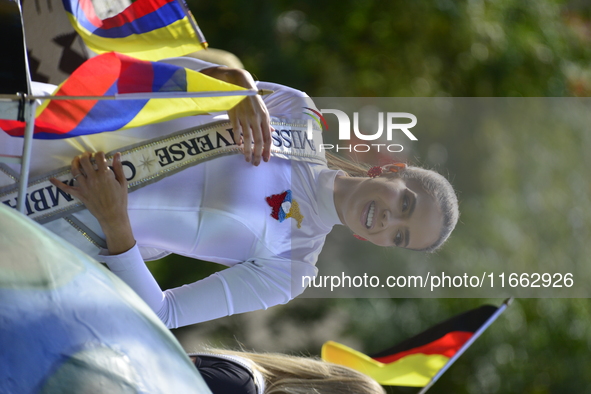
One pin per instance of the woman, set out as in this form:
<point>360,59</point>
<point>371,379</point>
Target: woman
<point>268,223</point>
<point>268,373</point>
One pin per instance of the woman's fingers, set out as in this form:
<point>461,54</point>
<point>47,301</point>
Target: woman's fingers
<point>86,165</point>
<point>118,170</point>
<point>262,129</point>
<point>102,190</point>
<point>267,130</point>
<point>236,129</point>
<point>257,137</point>
<point>101,162</point>
<point>78,175</point>
<point>90,166</point>
<point>76,169</point>
<point>65,187</point>
<point>92,173</point>
<point>260,142</point>
<point>241,135</point>
<point>251,119</point>
<point>247,141</point>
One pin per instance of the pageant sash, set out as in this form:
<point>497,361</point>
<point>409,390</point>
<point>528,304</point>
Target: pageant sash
<point>150,161</point>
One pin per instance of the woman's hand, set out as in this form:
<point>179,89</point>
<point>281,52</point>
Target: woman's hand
<point>249,117</point>
<point>104,193</point>
<point>251,120</point>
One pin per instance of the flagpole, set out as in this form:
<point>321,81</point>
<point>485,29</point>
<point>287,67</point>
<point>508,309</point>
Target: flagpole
<point>198,33</point>
<point>466,345</point>
<point>26,157</point>
<point>143,96</point>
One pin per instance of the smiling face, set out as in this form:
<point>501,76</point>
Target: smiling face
<point>390,211</point>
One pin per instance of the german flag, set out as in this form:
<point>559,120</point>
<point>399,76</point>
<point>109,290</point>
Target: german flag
<point>415,361</point>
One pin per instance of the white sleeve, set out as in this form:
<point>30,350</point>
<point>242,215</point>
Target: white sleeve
<point>249,286</point>
<point>42,89</point>
<point>131,269</point>
<point>189,62</point>
<point>252,285</point>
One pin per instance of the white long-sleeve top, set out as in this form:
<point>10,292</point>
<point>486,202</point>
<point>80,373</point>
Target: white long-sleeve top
<point>215,211</point>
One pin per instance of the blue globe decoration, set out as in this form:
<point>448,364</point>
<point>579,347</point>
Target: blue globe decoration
<point>67,325</point>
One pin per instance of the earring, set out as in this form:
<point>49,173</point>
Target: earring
<point>376,171</point>
<point>359,238</point>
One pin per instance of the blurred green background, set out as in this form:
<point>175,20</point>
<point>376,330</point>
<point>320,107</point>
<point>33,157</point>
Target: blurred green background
<point>522,196</point>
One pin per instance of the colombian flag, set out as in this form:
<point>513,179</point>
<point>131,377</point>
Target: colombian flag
<point>415,361</point>
<point>111,74</point>
<point>147,29</point>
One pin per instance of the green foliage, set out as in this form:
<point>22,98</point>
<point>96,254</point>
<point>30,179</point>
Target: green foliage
<point>524,194</point>
<point>407,48</point>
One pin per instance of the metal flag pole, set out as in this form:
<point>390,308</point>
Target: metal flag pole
<point>478,332</point>
<point>198,33</point>
<point>26,157</point>
<point>143,96</point>
<point>29,103</point>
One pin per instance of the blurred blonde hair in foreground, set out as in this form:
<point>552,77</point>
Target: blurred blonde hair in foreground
<point>286,374</point>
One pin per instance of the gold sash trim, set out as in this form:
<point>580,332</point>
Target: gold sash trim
<point>150,161</point>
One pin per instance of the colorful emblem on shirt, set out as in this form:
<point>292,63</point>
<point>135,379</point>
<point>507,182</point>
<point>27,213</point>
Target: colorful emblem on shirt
<point>285,207</point>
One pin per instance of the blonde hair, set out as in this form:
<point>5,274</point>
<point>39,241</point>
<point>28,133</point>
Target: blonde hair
<point>435,184</point>
<point>286,374</point>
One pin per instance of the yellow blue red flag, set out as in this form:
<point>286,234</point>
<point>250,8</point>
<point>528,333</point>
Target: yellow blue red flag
<point>147,29</point>
<point>111,74</point>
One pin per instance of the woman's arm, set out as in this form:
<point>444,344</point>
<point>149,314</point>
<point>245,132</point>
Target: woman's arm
<point>104,193</point>
<point>252,285</point>
<point>255,284</point>
<point>249,117</point>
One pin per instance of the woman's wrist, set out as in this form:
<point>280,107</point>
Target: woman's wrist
<point>119,236</point>
<point>235,76</point>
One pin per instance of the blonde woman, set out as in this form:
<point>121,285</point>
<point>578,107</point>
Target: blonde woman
<point>267,223</point>
<point>233,372</point>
